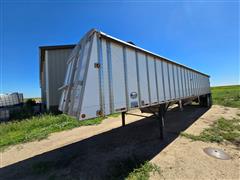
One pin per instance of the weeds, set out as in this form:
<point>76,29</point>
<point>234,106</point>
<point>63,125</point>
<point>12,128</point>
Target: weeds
<point>38,127</point>
<point>114,115</point>
<point>143,172</point>
<point>43,167</point>
<point>131,168</point>
<point>221,130</point>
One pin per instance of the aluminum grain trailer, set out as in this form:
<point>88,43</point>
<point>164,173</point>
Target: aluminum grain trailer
<point>106,75</point>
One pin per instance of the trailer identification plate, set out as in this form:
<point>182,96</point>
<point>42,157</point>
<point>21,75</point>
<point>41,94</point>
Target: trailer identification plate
<point>134,104</point>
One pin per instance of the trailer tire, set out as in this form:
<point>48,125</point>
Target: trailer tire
<point>202,101</point>
<point>209,100</point>
<point>206,100</point>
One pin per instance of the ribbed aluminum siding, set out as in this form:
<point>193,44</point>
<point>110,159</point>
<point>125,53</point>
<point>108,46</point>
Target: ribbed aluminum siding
<point>55,66</point>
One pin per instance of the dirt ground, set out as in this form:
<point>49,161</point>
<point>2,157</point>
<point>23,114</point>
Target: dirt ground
<point>185,159</point>
<point>109,151</point>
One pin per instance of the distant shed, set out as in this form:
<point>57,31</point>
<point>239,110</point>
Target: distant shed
<point>53,64</point>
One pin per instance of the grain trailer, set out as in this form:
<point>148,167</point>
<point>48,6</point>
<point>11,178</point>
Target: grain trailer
<point>106,75</point>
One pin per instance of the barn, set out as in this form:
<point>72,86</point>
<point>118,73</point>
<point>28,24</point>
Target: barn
<point>53,64</point>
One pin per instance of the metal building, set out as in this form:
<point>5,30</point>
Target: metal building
<point>106,75</point>
<point>53,64</point>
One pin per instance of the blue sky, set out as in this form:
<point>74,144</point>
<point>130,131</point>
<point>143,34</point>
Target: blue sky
<point>202,35</point>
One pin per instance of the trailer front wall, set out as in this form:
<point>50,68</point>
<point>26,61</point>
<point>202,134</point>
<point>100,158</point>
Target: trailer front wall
<point>116,78</point>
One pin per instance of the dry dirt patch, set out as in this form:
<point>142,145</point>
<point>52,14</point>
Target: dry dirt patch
<point>185,159</point>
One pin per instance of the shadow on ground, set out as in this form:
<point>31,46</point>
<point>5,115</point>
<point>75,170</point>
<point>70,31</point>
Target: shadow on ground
<point>109,155</point>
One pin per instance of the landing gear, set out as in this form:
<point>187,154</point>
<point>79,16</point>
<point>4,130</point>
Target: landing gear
<point>180,105</point>
<point>123,118</point>
<point>159,112</point>
<point>161,119</point>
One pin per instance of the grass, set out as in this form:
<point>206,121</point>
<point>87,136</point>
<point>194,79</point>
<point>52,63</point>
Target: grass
<point>226,95</point>
<point>143,172</point>
<point>221,130</point>
<point>43,167</point>
<point>128,169</point>
<point>114,115</point>
<point>131,168</point>
<point>38,127</point>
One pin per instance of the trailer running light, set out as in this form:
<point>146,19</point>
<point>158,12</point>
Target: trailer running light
<point>83,116</point>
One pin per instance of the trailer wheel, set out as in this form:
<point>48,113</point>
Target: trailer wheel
<point>201,101</point>
<point>205,100</point>
<point>209,100</point>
